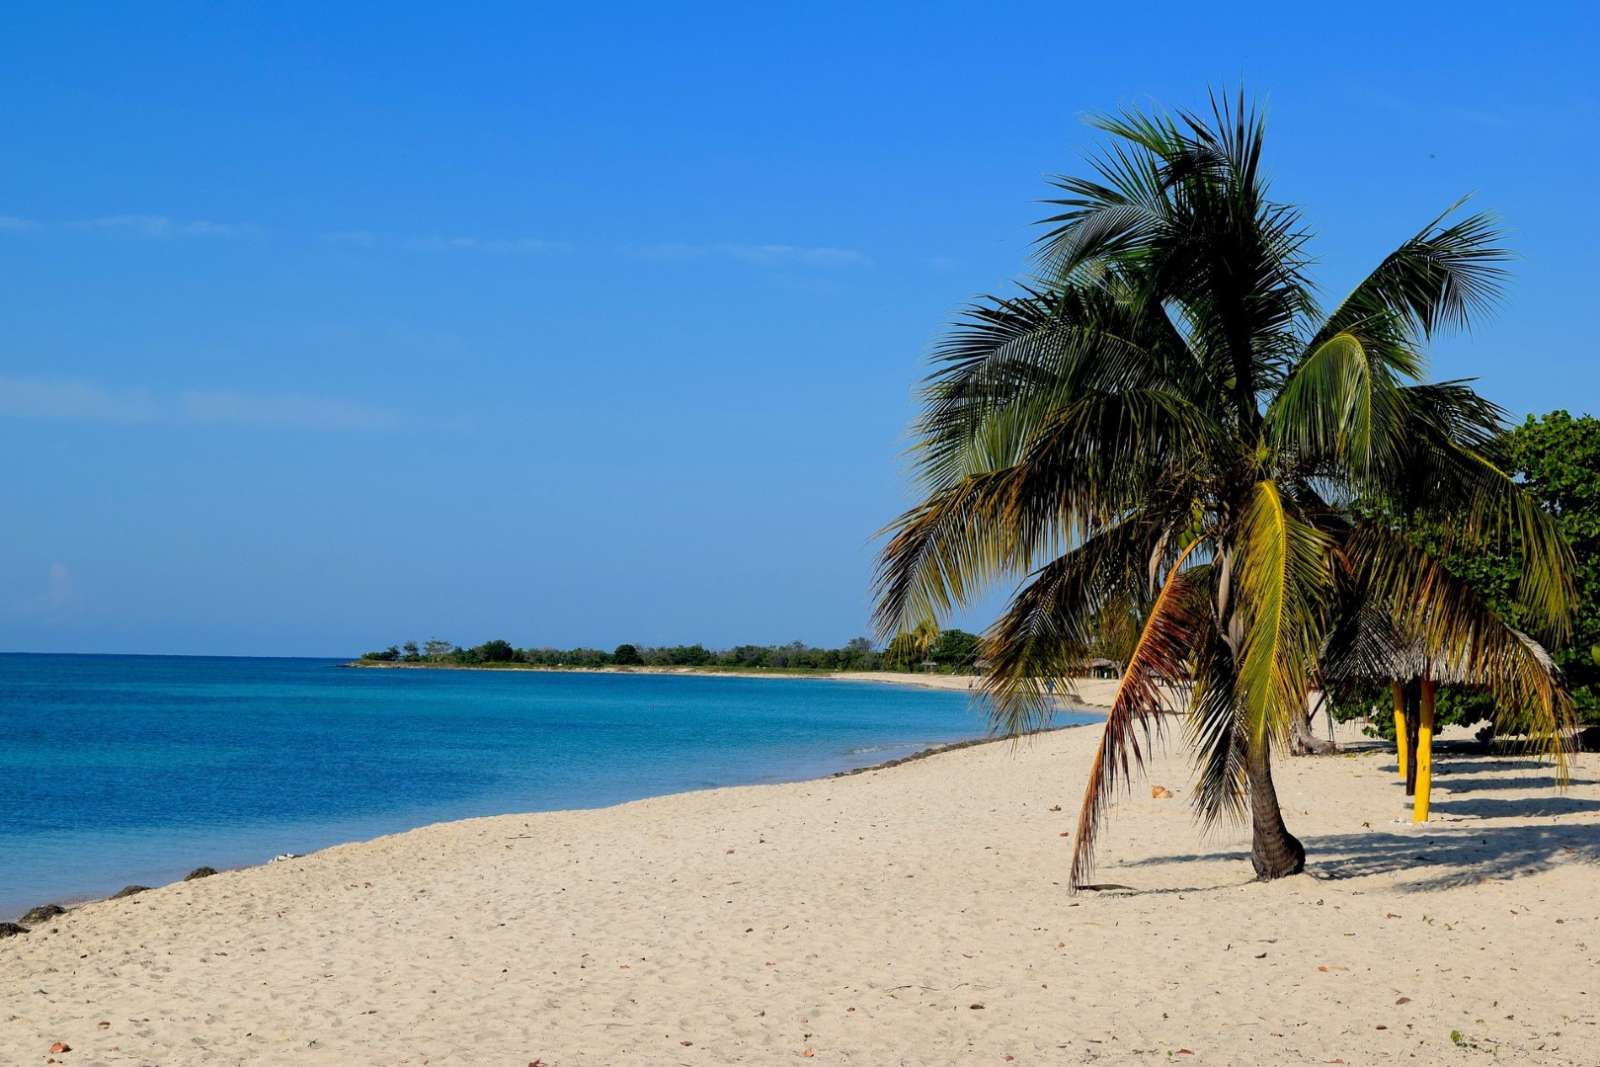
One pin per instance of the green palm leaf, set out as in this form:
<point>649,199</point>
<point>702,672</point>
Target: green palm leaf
<point>1285,583</point>
<point>1440,278</point>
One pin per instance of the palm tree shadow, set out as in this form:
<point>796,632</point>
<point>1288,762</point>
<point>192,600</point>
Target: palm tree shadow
<point>1466,758</point>
<point>1445,859</point>
<point>1519,807</point>
<point>1453,783</point>
<point>1469,762</point>
<point>1441,859</point>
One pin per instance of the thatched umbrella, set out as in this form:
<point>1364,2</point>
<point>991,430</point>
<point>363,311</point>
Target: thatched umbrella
<point>1411,672</point>
<point>1370,648</point>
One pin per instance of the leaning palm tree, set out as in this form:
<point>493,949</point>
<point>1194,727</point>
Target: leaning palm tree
<point>909,648</point>
<point>1163,422</point>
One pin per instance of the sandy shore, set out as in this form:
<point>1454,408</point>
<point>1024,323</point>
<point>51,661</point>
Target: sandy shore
<point>908,916</point>
<point>1094,692</point>
<point>1087,692</point>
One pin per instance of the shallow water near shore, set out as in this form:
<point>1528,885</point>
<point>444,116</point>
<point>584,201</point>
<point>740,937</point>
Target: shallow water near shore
<point>136,769</point>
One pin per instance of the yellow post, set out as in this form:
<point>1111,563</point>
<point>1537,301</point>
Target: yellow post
<point>1419,803</point>
<point>1400,727</point>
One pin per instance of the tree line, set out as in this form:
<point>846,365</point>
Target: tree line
<point>950,650</point>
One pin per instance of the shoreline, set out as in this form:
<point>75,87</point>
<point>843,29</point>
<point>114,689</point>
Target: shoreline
<point>912,914</point>
<point>72,902</point>
<point>1090,694</point>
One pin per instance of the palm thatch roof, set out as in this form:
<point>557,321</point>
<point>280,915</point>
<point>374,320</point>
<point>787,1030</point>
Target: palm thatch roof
<point>1371,649</point>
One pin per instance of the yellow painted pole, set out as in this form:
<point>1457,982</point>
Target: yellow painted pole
<point>1419,803</point>
<point>1400,727</point>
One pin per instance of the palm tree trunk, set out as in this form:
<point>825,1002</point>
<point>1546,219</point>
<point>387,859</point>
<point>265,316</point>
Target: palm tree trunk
<point>1274,851</point>
<point>1302,742</point>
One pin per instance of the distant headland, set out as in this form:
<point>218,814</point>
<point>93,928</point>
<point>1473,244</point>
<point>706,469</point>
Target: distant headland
<point>939,652</point>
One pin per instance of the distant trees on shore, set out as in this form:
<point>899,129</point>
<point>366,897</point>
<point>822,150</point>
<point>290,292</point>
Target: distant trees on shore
<point>953,651</point>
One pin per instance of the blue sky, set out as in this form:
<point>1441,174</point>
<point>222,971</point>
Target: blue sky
<point>325,326</point>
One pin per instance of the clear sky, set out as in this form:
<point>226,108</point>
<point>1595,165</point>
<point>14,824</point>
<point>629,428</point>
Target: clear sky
<point>327,326</point>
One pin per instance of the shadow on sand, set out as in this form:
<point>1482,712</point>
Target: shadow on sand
<point>1452,783</point>
<point>1440,859</point>
<point>1462,851</point>
<point>1447,858</point>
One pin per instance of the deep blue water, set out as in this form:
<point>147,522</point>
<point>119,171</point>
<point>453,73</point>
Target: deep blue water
<point>120,769</point>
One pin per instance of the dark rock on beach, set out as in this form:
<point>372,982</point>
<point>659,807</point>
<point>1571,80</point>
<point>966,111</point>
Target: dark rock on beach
<point>130,890</point>
<point>11,929</point>
<point>199,872</point>
<point>42,914</point>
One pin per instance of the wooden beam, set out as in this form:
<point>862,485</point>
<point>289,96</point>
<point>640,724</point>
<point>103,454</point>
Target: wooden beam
<point>1400,739</point>
<point>1419,805</point>
<point>1413,717</point>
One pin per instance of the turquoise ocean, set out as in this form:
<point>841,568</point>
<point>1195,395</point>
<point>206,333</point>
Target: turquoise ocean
<point>136,769</point>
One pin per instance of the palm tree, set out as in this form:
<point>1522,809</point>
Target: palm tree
<point>1165,423</point>
<point>909,648</point>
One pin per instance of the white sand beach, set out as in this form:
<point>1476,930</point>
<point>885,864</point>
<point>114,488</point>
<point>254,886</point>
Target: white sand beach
<point>1087,693</point>
<point>916,915</point>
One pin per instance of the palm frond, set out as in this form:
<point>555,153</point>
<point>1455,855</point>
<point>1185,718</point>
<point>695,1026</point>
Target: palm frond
<point>1342,405</point>
<point>1442,277</point>
<point>1091,462</point>
<point>1453,409</point>
<point>1051,626</point>
<point>1217,732</point>
<point>1443,625</point>
<point>1156,669</point>
<point>944,549</point>
<point>1181,207</point>
<point>1117,214</point>
<point>1009,363</point>
<point>1446,475</point>
<point>1285,584</point>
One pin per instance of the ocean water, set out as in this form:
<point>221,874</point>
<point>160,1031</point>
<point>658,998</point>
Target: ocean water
<point>136,769</point>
